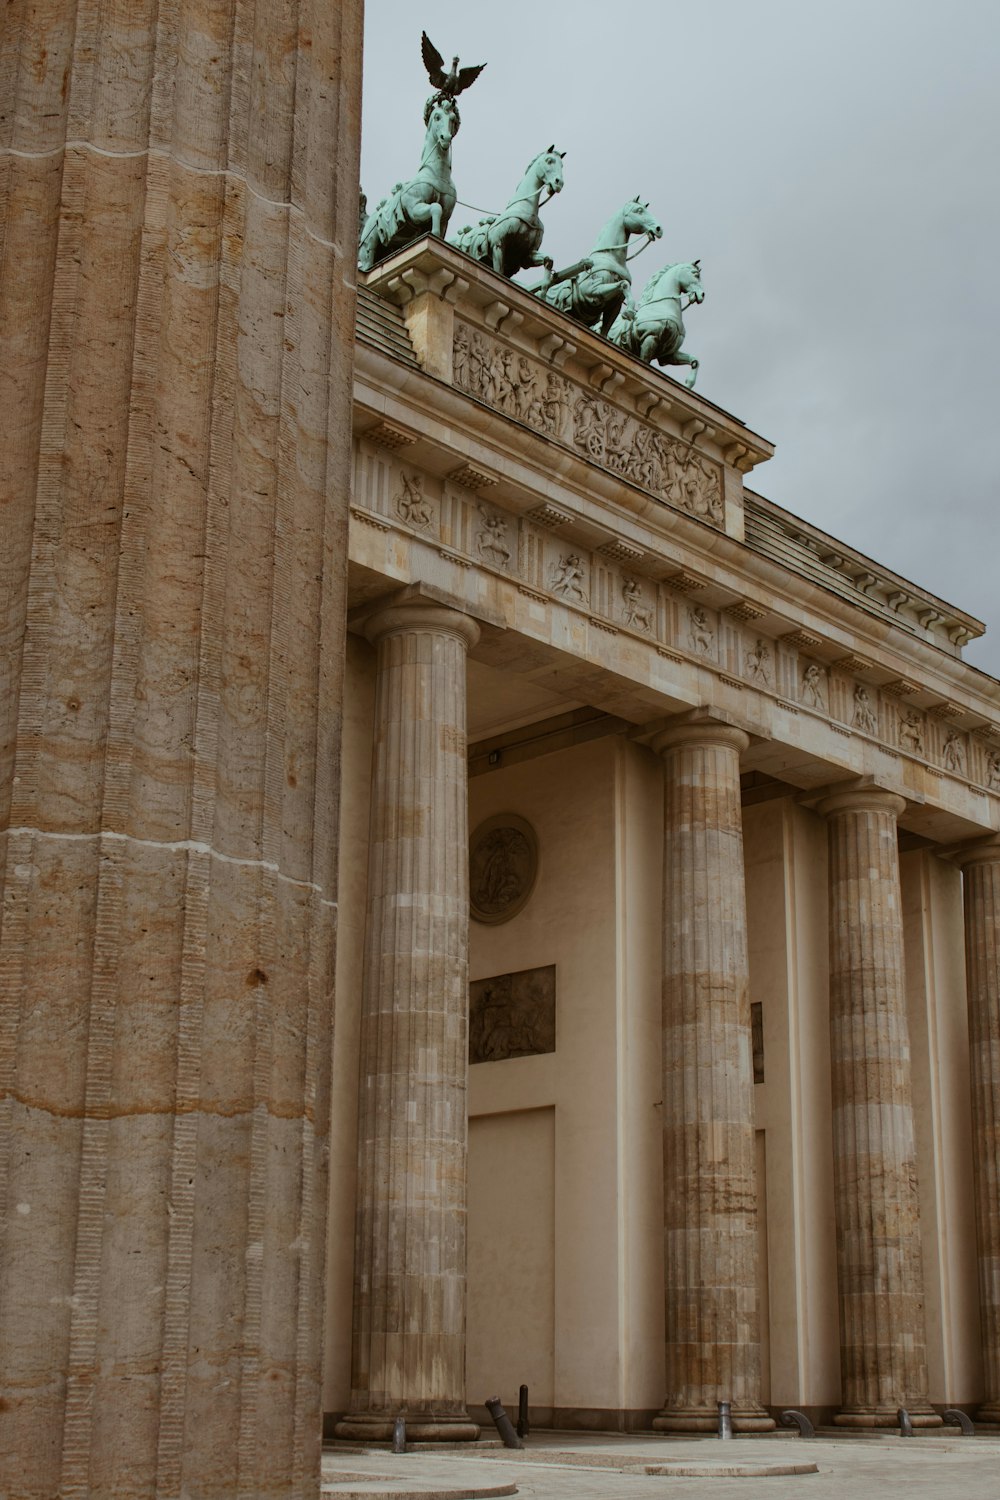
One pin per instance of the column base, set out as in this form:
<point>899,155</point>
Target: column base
<point>421,1427</point>
<point>925,1416</point>
<point>988,1414</point>
<point>705,1419</point>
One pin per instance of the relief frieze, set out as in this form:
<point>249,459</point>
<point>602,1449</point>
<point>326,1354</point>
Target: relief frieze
<point>554,406</point>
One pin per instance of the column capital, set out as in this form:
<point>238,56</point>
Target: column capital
<point>417,614</point>
<point>861,798</point>
<point>690,730</point>
<point>982,851</point>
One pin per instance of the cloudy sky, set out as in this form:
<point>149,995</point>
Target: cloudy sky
<point>835,164</point>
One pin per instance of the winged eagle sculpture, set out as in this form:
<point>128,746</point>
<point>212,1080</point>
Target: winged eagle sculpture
<point>450,84</point>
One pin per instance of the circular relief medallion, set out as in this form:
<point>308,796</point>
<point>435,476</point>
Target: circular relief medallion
<point>503,863</point>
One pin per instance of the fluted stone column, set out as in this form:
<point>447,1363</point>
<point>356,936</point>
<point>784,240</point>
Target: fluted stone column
<point>981,864</point>
<point>879,1265</point>
<point>176,313</point>
<point>410,1247</point>
<point>709,1176</point>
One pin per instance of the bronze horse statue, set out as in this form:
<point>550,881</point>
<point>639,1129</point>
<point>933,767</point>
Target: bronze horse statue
<point>425,203</point>
<point>509,241</point>
<point>654,330</point>
<point>597,293</point>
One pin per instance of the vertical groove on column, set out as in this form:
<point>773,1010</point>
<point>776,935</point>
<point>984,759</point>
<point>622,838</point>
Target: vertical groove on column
<point>982,961</point>
<point>409,1320</point>
<point>880,1276</point>
<point>710,1202</point>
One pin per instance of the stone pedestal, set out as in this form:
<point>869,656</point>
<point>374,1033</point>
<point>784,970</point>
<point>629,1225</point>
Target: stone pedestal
<point>879,1266</point>
<point>176,314</point>
<point>709,1178</point>
<point>410,1259</point>
<point>981,864</point>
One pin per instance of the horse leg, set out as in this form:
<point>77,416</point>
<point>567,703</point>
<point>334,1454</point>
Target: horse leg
<point>610,313</point>
<point>497,247</point>
<point>547,264</point>
<point>681,358</point>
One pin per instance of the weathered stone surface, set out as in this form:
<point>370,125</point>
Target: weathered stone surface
<point>180,213</point>
<point>879,1262</point>
<point>709,1179</point>
<point>410,1261</point>
<point>981,866</point>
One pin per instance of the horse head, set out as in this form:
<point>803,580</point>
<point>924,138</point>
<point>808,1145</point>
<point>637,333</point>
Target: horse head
<point>442,119</point>
<point>689,280</point>
<point>637,219</point>
<point>549,166</point>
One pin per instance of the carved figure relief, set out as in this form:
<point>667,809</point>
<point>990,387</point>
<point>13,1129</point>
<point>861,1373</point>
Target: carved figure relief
<point>503,864</point>
<point>953,752</point>
<point>412,504</point>
<point>553,404</point>
<point>637,612</point>
<point>619,442</point>
<point>864,713</point>
<point>758,663</point>
<point>492,539</point>
<point>566,578</point>
<point>512,1015</point>
<point>911,732</point>
<point>460,356</point>
<point>812,687</point>
<point>700,634</point>
<point>993,770</point>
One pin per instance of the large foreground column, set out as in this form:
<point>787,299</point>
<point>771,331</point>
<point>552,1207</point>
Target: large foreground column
<point>176,313</point>
<point>879,1266</point>
<point>981,864</point>
<point>709,1177</point>
<point>410,1257</point>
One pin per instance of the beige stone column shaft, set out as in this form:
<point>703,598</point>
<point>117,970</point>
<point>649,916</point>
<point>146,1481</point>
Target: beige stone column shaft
<point>176,315</point>
<point>709,1176</point>
<point>410,1247</point>
<point>879,1265</point>
<point>981,865</point>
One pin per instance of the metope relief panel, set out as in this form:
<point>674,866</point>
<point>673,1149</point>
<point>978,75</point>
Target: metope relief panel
<point>637,605</point>
<point>495,539</point>
<point>700,634</point>
<point>512,1015</point>
<point>411,503</point>
<point>814,686</point>
<point>758,662</point>
<point>567,574</point>
<point>556,407</point>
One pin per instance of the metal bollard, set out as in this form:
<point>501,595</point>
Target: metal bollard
<point>956,1418</point>
<point>905,1425</point>
<point>399,1435</point>
<point>725,1419</point>
<point>502,1423</point>
<point>792,1418</point>
<point>523,1427</point>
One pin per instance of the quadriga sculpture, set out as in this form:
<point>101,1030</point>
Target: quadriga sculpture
<point>597,294</point>
<point>654,330</point>
<point>425,203</point>
<point>509,242</point>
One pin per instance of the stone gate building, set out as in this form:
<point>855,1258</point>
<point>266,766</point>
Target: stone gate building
<point>734,1032</point>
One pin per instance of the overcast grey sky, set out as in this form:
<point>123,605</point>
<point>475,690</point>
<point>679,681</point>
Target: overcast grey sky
<point>836,167</point>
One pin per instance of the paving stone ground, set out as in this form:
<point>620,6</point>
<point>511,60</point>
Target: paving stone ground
<point>558,1466</point>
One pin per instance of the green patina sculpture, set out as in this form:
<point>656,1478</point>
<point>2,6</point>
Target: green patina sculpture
<point>654,330</point>
<point>509,242</point>
<point>597,293</point>
<point>425,203</point>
